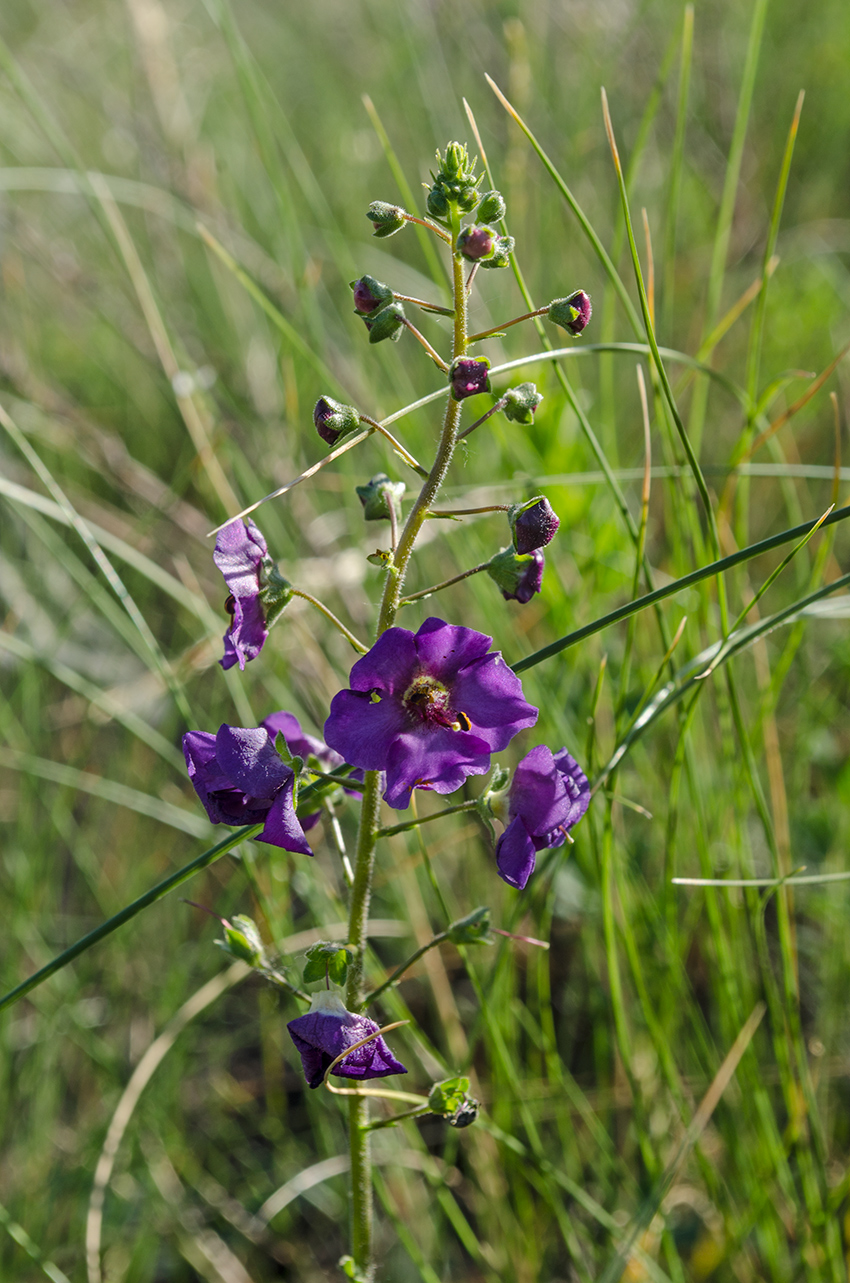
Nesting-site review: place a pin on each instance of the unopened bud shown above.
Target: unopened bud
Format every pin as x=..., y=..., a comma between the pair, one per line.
x=381, y=497
x=333, y=419
x=502, y=250
x=468, y=377
x=476, y=243
x=370, y=294
x=452, y=1101
x=386, y=324
x=436, y=203
x=492, y=207
x=534, y=524
x=388, y=219
x=572, y=313
x=518, y=577
x=521, y=402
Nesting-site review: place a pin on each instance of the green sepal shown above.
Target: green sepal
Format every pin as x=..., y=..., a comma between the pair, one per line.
x=350, y=1270
x=283, y=752
x=388, y=219
x=275, y=592
x=242, y=940
x=452, y=1101
x=473, y=929
x=380, y=497
x=327, y=959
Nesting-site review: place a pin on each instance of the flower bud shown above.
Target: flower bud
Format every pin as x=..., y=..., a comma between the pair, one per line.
x=476, y=243
x=388, y=219
x=473, y=929
x=451, y=1099
x=381, y=497
x=468, y=376
x=333, y=419
x=436, y=203
x=572, y=313
x=518, y=577
x=369, y=294
x=242, y=940
x=492, y=207
x=502, y=250
x=467, y=199
x=522, y=401
x=534, y=524
x=386, y=324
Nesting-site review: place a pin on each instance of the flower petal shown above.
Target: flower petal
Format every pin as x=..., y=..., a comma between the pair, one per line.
x=247, y=756
x=389, y=666
x=247, y=633
x=576, y=784
x=490, y=694
x=443, y=649
x=540, y=796
x=239, y=551
x=515, y=854
x=436, y=758
x=282, y=827
x=363, y=731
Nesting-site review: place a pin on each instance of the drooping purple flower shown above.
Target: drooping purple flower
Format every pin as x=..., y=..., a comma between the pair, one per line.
x=325, y=1031
x=241, y=779
x=468, y=376
x=518, y=577
x=240, y=551
x=308, y=747
x=428, y=708
x=548, y=795
x=534, y=524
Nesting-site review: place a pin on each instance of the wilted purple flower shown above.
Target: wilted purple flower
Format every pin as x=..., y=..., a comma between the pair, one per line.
x=324, y=1033
x=476, y=243
x=241, y=779
x=572, y=313
x=547, y=796
x=534, y=524
x=240, y=551
x=428, y=708
x=518, y=577
x=467, y=377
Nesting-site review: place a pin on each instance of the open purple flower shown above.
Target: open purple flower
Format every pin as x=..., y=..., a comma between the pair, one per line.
x=428, y=708
x=240, y=551
x=324, y=1033
x=241, y=779
x=547, y=796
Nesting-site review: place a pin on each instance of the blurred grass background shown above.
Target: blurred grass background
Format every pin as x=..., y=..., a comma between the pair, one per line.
x=146, y=390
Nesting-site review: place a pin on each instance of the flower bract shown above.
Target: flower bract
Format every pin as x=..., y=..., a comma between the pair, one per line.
x=428, y=708
x=325, y=1031
x=548, y=795
x=241, y=779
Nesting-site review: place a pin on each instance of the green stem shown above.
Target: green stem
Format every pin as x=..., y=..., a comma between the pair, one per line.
x=425, y=819
x=358, y=1118
x=500, y=405
x=424, y=304
x=495, y=329
x=432, y=352
x=446, y=583
x=396, y=445
x=400, y=970
x=329, y=615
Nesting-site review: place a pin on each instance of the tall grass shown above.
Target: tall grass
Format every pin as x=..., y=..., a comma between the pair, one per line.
x=151, y=386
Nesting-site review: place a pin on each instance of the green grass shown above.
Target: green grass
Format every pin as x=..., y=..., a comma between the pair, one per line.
x=123, y=129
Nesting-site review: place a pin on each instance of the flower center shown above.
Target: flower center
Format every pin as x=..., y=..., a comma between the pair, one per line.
x=428, y=700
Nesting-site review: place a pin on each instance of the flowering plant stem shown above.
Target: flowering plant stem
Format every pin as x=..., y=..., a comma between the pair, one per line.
x=329, y=615
x=361, y=890
x=446, y=583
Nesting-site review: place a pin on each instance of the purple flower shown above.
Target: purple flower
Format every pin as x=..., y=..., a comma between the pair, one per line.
x=518, y=577
x=467, y=377
x=533, y=524
x=428, y=708
x=547, y=796
x=240, y=551
x=324, y=1033
x=241, y=779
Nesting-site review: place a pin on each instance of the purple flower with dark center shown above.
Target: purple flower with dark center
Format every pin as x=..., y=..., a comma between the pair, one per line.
x=240, y=551
x=533, y=524
x=547, y=796
x=468, y=377
x=241, y=779
x=428, y=708
x=324, y=1033
x=518, y=577
x=310, y=749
